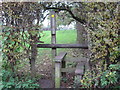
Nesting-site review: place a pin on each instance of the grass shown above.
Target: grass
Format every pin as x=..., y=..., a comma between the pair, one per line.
x=62, y=37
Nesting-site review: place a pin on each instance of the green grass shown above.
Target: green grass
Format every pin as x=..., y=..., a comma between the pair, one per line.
x=62, y=37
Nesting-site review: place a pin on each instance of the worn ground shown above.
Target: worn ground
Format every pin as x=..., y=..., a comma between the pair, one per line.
x=44, y=68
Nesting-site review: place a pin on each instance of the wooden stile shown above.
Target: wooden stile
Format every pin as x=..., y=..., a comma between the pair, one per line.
x=58, y=61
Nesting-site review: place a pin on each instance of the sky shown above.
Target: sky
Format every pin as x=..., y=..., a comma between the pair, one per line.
x=46, y=22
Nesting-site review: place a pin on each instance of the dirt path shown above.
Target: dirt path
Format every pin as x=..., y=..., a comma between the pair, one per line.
x=46, y=83
x=66, y=82
x=44, y=68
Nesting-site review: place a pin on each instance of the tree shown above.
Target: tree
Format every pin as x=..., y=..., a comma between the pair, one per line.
x=18, y=17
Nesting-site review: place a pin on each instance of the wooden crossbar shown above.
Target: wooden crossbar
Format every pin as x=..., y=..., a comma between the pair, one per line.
x=69, y=69
x=76, y=59
x=62, y=46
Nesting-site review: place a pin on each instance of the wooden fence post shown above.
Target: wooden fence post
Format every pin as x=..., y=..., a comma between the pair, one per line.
x=53, y=40
x=79, y=72
x=63, y=66
x=57, y=74
x=58, y=61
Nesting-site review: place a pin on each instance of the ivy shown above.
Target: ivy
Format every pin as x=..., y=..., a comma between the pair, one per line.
x=104, y=47
x=17, y=18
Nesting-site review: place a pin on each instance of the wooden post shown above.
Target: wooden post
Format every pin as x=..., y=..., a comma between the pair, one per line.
x=58, y=60
x=79, y=72
x=57, y=74
x=53, y=39
x=33, y=55
x=63, y=66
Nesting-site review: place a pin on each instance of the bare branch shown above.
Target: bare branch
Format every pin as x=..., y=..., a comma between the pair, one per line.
x=83, y=21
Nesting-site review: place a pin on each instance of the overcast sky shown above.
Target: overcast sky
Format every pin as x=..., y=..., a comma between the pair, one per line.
x=46, y=22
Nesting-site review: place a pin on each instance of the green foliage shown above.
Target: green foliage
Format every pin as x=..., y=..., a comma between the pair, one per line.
x=18, y=30
x=16, y=47
x=64, y=79
x=10, y=80
x=103, y=35
x=107, y=78
x=104, y=46
x=63, y=18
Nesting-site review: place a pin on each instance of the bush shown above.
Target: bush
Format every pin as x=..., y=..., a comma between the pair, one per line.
x=108, y=78
x=10, y=80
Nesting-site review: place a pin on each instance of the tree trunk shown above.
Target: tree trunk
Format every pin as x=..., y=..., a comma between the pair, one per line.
x=81, y=34
x=33, y=55
x=81, y=37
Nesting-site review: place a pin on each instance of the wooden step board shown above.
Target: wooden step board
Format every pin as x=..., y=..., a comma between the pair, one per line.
x=83, y=46
x=60, y=67
x=76, y=59
x=79, y=72
x=80, y=68
x=69, y=70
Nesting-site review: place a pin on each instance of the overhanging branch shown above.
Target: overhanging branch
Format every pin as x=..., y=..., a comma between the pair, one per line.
x=83, y=21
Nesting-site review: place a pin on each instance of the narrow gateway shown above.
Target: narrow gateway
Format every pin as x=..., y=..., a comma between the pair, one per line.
x=59, y=61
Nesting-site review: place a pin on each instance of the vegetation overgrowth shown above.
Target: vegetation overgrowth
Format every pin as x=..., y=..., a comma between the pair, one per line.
x=21, y=34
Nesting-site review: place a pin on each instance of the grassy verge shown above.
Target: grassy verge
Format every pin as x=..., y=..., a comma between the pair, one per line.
x=62, y=37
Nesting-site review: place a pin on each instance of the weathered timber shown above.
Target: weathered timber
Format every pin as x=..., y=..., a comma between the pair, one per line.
x=63, y=66
x=58, y=60
x=80, y=68
x=60, y=57
x=53, y=39
x=77, y=59
x=87, y=65
x=69, y=70
x=62, y=46
x=57, y=74
x=79, y=72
